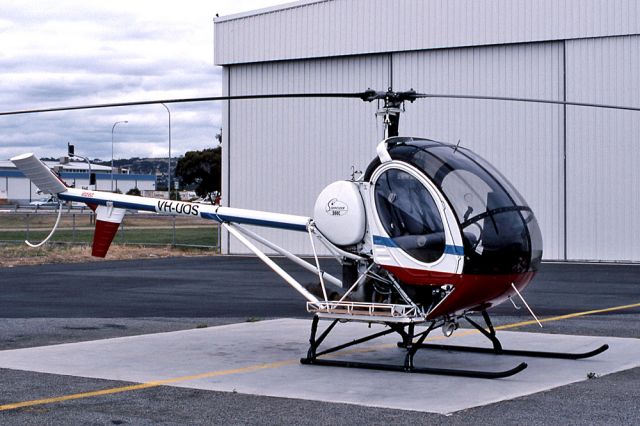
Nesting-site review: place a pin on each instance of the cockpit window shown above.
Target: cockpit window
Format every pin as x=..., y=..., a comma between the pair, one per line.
x=466, y=184
x=409, y=215
x=499, y=230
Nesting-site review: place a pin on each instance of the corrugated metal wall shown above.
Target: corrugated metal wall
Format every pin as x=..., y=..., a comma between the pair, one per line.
x=282, y=153
x=524, y=141
x=279, y=154
x=292, y=149
x=345, y=27
x=603, y=150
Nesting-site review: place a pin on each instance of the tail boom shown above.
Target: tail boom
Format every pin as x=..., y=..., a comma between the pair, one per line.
x=110, y=208
x=182, y=208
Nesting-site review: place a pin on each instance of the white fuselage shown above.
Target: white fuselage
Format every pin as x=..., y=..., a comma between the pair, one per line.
x=182, y=208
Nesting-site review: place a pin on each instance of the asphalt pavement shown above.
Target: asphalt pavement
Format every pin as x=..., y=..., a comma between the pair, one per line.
x=49, y=304
x=243, y=287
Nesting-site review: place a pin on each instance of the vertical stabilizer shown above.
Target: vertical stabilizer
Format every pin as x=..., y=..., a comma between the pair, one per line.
x=108, y=220
x=39, y=174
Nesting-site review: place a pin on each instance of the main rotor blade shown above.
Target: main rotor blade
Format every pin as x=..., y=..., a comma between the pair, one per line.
x=360, y=95
x=367, y=96
x=541, y=101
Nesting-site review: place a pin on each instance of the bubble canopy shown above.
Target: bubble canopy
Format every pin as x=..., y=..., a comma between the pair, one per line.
x=499, y=230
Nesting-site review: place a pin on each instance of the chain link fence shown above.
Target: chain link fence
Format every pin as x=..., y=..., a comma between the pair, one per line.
x=77, y=225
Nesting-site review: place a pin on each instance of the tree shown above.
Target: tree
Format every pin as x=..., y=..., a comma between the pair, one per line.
x=203, y=168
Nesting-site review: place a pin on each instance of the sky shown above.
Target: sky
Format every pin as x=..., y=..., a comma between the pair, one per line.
x=79, y=52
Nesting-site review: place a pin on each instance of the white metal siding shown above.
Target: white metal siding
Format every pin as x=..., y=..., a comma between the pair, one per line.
x=603, y=150
x=21, y=188
x=281, y=153
x=345, y=27
x=286, y=172
x=523, y=141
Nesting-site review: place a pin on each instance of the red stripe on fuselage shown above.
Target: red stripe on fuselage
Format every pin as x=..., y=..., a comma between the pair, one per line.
x=470, y=291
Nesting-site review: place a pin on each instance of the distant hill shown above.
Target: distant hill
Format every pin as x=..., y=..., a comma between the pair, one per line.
x=141, y=166
x=146, y=166
x=136, y=165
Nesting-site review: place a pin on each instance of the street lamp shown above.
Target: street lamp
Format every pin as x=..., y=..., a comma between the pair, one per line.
x=71, y=152
x=112, y=129
x=168, y=175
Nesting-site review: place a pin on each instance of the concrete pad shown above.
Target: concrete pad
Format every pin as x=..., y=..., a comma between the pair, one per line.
x=262, y=359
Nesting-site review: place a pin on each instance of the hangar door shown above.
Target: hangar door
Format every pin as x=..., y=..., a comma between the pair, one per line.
x=524, y=141
x=603, y=150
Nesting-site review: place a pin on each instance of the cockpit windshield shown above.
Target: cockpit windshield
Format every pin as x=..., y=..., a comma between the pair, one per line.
x=499, y=230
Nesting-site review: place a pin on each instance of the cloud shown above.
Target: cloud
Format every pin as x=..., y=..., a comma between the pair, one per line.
x=74, y=52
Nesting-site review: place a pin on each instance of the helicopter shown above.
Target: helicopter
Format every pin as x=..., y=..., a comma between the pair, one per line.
x=428, y=235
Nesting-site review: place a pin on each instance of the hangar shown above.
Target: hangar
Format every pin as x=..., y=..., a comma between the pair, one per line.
x=576, y=166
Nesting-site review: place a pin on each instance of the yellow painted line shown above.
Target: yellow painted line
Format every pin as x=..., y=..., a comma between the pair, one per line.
x=569, y=316
x=147, y=385
x=258, y=367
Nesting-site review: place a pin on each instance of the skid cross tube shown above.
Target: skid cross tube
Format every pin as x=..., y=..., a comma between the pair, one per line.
x=499, y=350
x=407, y=333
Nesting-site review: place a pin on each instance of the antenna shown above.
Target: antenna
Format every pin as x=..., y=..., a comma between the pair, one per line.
x=457, y=146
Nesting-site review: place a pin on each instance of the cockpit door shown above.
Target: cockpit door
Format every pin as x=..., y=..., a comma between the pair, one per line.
x=414, y=232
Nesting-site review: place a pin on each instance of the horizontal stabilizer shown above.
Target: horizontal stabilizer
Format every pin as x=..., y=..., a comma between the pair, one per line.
x=108, y=220
x=39, y=173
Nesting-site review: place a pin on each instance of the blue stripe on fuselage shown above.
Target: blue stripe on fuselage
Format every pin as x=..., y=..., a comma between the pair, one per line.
x=258, y=222
x=388, y=242
x=98, y=201
x=384, y=241
x=457, y=250
x=211, y=216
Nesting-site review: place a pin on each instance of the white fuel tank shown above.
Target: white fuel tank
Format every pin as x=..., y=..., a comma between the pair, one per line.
x=339, y=213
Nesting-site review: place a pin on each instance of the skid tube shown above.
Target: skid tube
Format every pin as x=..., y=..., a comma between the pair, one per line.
x=497, y=348
x=407, y=336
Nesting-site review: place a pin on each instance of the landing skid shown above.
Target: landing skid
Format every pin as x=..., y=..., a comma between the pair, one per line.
x=407, y=332
x=538, y=354
x=497, y=346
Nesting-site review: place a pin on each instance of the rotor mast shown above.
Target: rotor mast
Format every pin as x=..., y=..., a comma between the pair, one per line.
x=393, y=105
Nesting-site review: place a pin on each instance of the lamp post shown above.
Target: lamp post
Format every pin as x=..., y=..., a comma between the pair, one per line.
x=112, y=129
x=169, y=174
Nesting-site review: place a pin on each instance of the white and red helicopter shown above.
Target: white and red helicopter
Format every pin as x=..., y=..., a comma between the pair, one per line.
x=428, y=235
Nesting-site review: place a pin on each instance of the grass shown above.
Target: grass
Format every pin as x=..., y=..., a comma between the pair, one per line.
x=158, y=236
x=42, y=219
x=85, y=218
x=205, y=236
x=135, y=229
x=14, y=255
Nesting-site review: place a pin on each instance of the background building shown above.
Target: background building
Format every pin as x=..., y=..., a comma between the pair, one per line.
x=577, y=167
x=15, y=188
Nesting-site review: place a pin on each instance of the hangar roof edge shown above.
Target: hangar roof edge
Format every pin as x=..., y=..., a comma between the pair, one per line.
x=310, y=29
